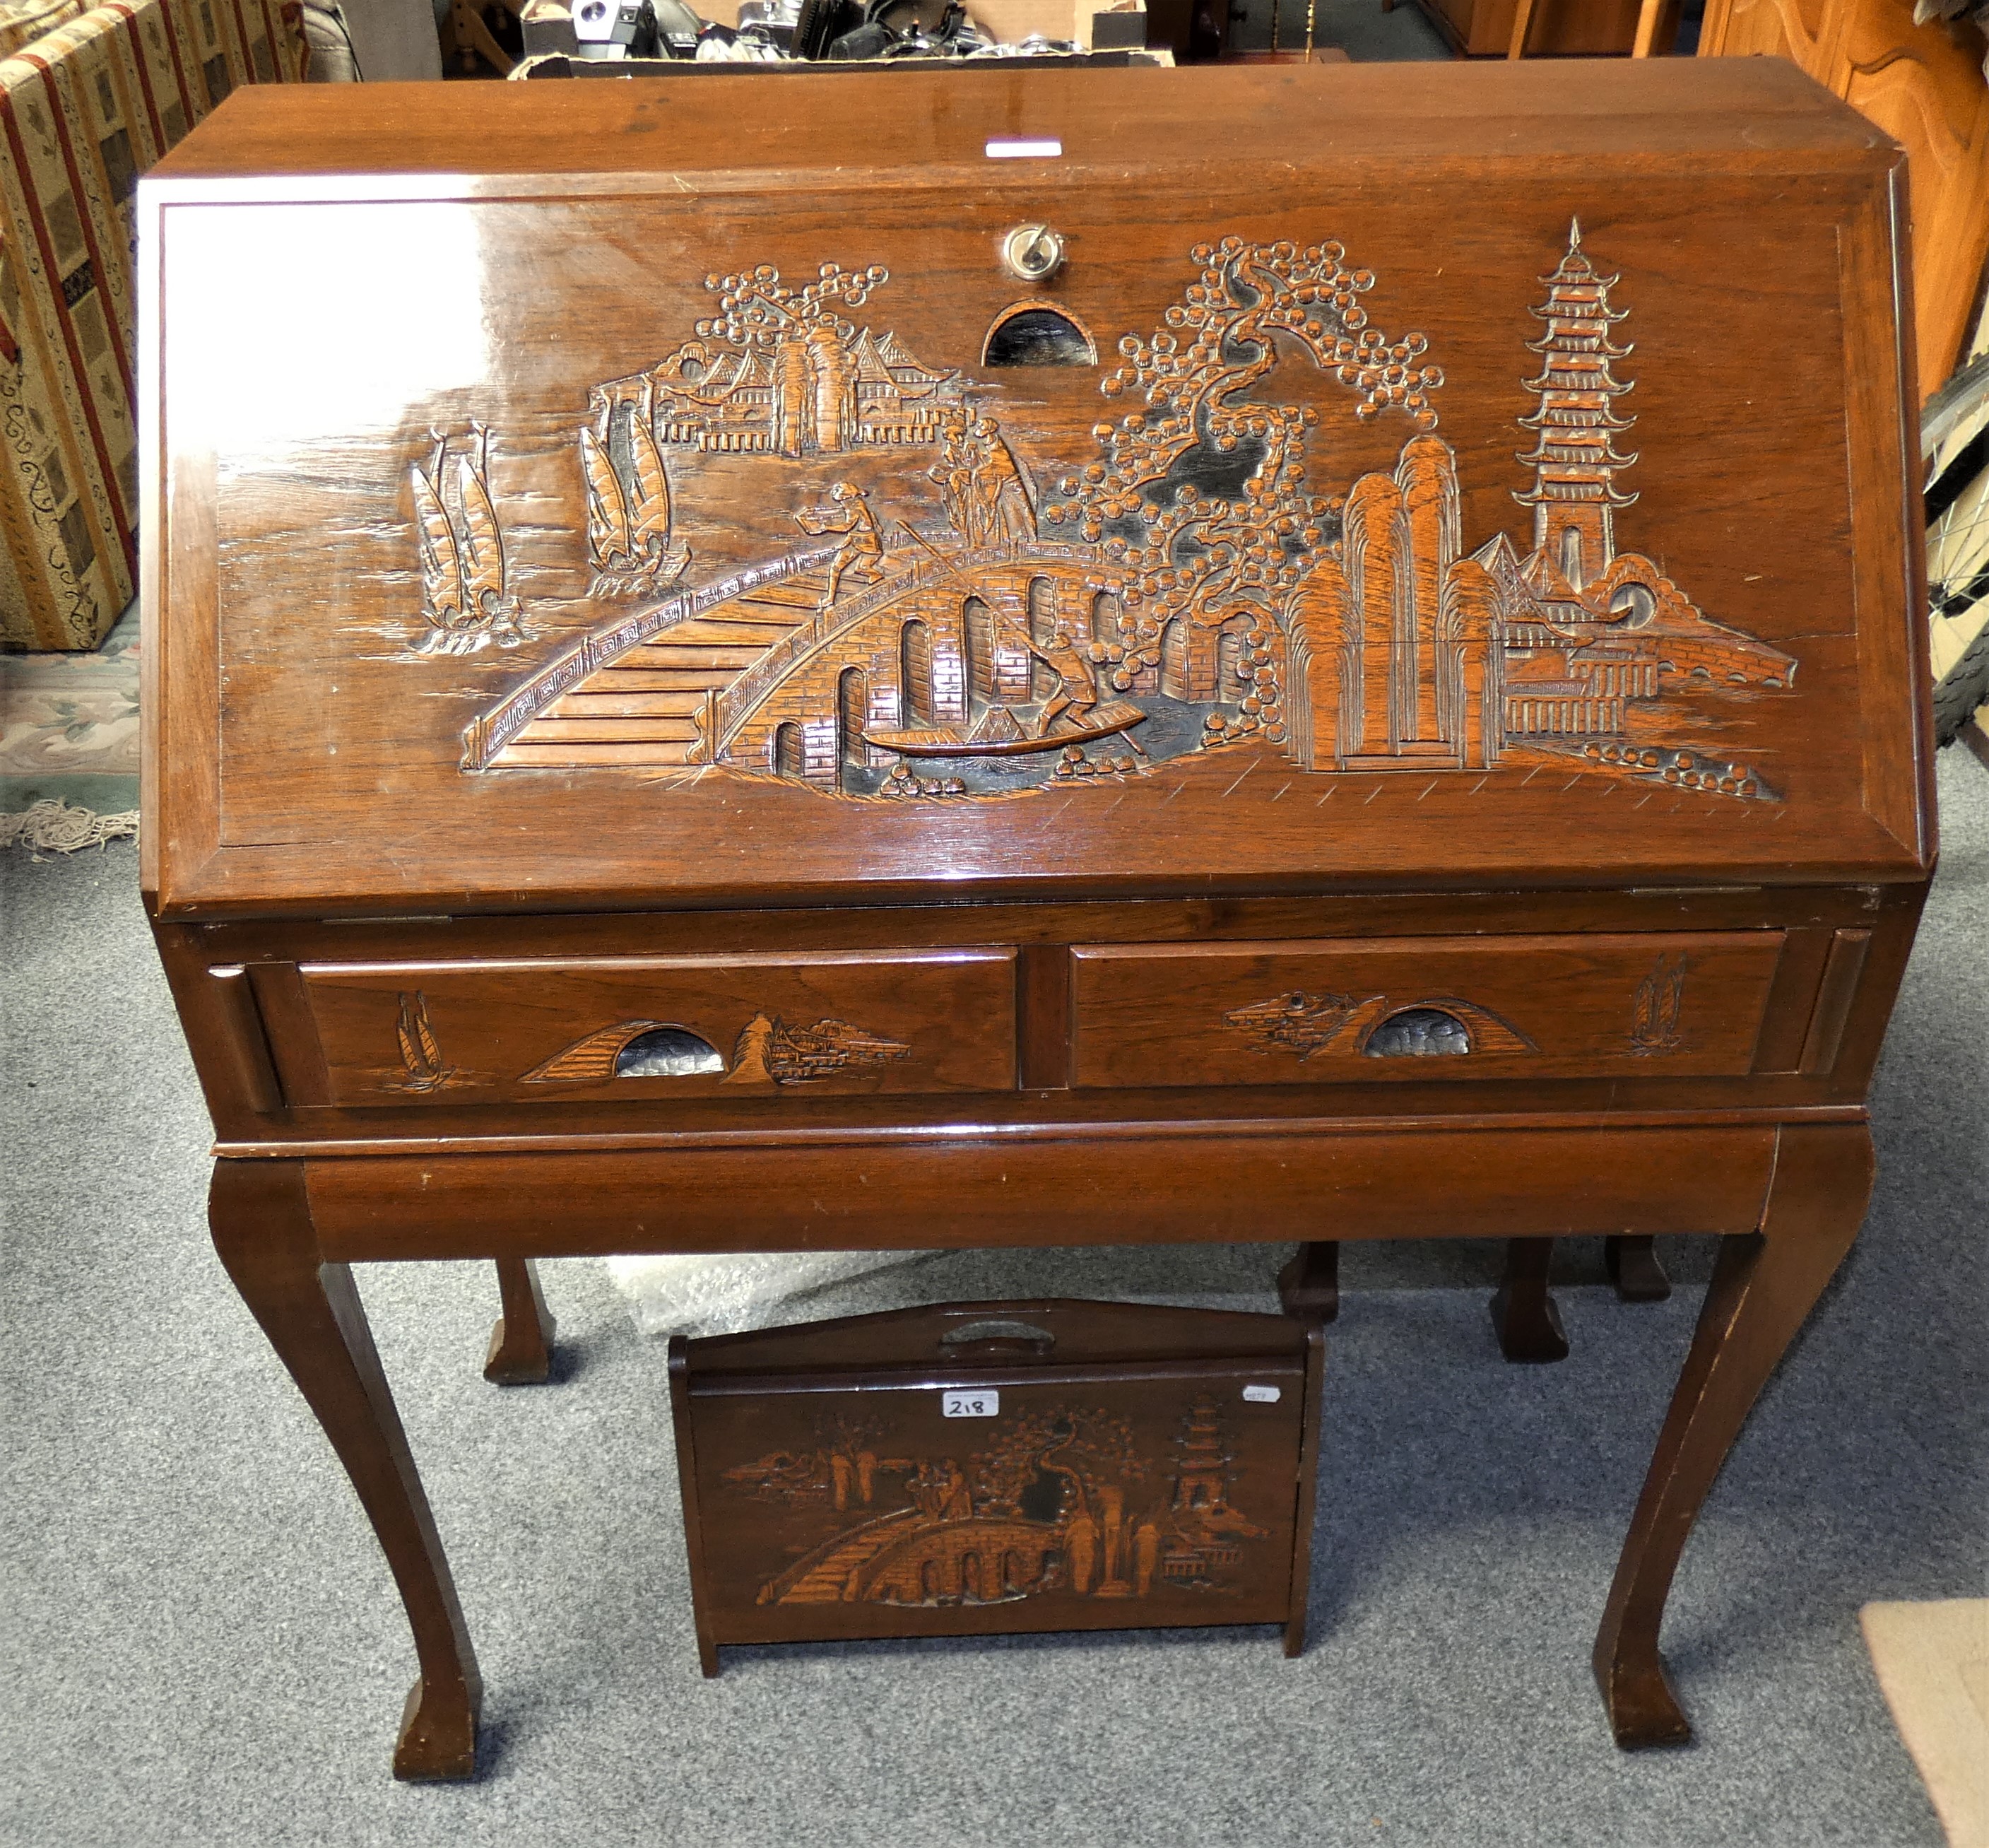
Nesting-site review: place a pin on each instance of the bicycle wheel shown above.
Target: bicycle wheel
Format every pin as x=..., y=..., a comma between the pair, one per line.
x=1954, y=443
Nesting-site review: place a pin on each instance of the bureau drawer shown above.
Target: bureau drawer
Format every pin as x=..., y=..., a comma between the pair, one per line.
x=635, y=1027
x=1682, y=1004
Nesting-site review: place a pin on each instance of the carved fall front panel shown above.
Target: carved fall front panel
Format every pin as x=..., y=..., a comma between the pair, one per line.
x=1008, y=619
x=843, y=561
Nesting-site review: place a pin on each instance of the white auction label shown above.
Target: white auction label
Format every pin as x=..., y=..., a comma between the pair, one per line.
x=1006, y=149
x=1262, y=1395
x=970, y=1404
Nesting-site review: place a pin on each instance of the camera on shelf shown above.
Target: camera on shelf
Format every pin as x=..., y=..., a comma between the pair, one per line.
x=614, y=28
x=605, y=30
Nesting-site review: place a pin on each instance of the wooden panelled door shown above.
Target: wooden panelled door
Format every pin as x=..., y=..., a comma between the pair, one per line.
x=1924, y=85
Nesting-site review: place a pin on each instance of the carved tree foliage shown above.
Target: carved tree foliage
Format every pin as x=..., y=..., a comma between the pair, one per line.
x=757, y=310
x=1097, y=1447
x=1211, y=555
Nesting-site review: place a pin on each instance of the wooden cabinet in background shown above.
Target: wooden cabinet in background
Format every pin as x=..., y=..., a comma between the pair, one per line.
x=1483, y=28
x=1924, y=86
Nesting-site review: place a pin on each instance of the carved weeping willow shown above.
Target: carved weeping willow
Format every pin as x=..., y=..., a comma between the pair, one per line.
x=1207, y=559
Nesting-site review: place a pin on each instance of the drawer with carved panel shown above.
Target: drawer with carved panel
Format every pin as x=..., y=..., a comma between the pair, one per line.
x=1593, y=1004
x=628, y=1027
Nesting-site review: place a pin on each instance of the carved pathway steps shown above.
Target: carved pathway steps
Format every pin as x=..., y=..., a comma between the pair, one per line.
x=641, y=707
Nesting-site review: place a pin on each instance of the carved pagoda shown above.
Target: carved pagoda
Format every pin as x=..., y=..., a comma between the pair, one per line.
x=1574, y=495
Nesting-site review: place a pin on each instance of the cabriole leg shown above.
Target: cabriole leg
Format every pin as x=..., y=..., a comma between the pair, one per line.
x=1525, y=1318
x=521, y=1339
x=1633, y=1267
x=1310, y=1284
x=1763, y=1286
x=260, y=1218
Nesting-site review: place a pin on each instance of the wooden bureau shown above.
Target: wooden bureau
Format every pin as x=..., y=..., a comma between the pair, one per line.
x=872, y=660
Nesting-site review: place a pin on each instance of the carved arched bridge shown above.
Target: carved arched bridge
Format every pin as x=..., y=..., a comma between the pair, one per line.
x=908, y=1557
x=693, y=679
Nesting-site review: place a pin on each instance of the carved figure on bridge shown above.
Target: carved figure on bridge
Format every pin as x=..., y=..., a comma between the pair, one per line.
x=861, y=554
x=983, y=489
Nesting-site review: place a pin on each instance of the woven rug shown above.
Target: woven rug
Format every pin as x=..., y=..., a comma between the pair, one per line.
x=69, y=744
x=1933, y=1664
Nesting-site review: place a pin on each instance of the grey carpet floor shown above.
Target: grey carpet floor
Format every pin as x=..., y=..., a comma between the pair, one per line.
x=199, y=1641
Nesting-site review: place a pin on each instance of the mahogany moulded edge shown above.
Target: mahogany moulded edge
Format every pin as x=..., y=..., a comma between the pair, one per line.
x=1081, y=1190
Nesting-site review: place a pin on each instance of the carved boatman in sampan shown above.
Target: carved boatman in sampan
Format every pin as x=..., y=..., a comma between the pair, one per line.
x=1077, y=684
x=862, y=551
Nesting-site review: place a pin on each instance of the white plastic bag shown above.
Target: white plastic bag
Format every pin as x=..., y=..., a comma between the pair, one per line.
x=740, y=1290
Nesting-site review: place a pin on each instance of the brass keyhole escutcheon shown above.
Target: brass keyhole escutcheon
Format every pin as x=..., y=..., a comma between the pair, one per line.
x=1032, y=253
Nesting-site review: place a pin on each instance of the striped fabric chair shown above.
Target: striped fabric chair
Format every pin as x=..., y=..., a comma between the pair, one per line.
x=87, y=104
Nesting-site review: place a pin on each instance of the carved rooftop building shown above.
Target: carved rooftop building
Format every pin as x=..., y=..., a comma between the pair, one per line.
x=817, y=392
x=1201, y=1467
x=815, y=389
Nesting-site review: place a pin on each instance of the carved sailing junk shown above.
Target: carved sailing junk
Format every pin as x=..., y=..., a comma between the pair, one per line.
x=1189, y=588
x=1654, y=1029
x=421, y=1055
x=461, y=550
x=628, y=506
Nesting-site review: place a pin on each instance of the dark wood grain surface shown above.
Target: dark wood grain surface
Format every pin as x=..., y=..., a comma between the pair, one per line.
x=902, y=122
x=532, y=1031
x=1800, y=1062
x=1312, y=1013
x=1130, y=1185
